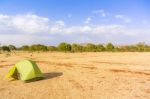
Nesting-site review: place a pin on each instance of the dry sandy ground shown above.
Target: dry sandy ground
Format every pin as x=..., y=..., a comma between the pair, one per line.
x=80, y=76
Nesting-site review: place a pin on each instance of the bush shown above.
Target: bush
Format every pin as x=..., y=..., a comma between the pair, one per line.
x=141, y=47
x=64, y=47
x=100, y=48
x=38, y=47
x=12, y=47
x=24, y=48
x=77, y=48
x=110, y=47
x=5, y=48
x=91, y=47
x=52, y=48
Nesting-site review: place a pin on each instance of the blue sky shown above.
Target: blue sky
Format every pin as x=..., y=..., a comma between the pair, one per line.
x=74, y=21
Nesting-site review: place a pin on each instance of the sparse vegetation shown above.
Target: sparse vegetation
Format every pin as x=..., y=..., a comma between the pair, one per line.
x=38, y=47
x=64, y=47
x=110, y=47
x=5, y=48
x=89, y=47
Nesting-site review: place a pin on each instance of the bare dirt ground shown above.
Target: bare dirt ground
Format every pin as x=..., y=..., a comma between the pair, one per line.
x=80, y=76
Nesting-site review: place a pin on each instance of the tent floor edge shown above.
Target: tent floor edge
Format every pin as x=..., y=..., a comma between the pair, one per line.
x=33, y=80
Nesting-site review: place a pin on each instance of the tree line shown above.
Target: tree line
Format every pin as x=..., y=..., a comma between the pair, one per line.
x=89, y=47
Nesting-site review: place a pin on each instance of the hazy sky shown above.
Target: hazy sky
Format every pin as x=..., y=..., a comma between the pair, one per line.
x=74, y=21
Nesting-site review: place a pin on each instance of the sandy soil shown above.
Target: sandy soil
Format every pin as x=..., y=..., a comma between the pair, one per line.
x=80, y=76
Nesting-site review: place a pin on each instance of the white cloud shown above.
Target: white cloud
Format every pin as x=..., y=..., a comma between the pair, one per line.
x=30, y=23
x=24, y=23
x=124, y=18
x=32, y=28
x=93, y=29
x=88, y=20
x=23, y=39
x=60, y=23
x=56, y=27
x=77, y=29
x=101, y=12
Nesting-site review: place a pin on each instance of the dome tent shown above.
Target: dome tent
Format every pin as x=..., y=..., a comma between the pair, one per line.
x=25, y=70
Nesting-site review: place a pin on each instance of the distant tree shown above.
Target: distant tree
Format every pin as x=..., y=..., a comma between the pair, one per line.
x=0, y=47
x=100, y=48
x=74, y=48
x=133, y=48
x=91, y=47
x=12, y=47
x=77, y=48
x=64, y=47
x=110, y=47
x=52, y=48
x=24, y=48
x=117, y=49
x=147, y=48
x=38, y=47
x=124, y=48
x=141, y=47
x=5, y=48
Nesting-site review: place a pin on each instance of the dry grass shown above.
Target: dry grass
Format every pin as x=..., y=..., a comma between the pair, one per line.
x=80, y=76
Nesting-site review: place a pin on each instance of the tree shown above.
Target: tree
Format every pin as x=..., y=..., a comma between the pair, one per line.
x=141, y=46
x=100, y=48
x=64, y=47
x=24, y=48
x=91, y=47
x=74, y=48
x=38, y=47
x=52, y=48
x=77, y=48
x=0, y=47
x=5, y=48
x=110, y=47
x=12, y=47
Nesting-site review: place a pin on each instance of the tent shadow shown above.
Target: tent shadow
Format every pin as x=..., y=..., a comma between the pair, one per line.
x=52, y=75
x=46, y=76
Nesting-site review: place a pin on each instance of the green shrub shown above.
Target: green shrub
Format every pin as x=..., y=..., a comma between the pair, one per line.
x=110, y=47
x=5, y=48
x=64, y=47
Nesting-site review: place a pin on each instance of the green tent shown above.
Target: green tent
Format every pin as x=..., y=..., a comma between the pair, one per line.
x=25, y=70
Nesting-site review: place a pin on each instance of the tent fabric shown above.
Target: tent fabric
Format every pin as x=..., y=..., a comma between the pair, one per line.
x=25, y=70
x=12, y=73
